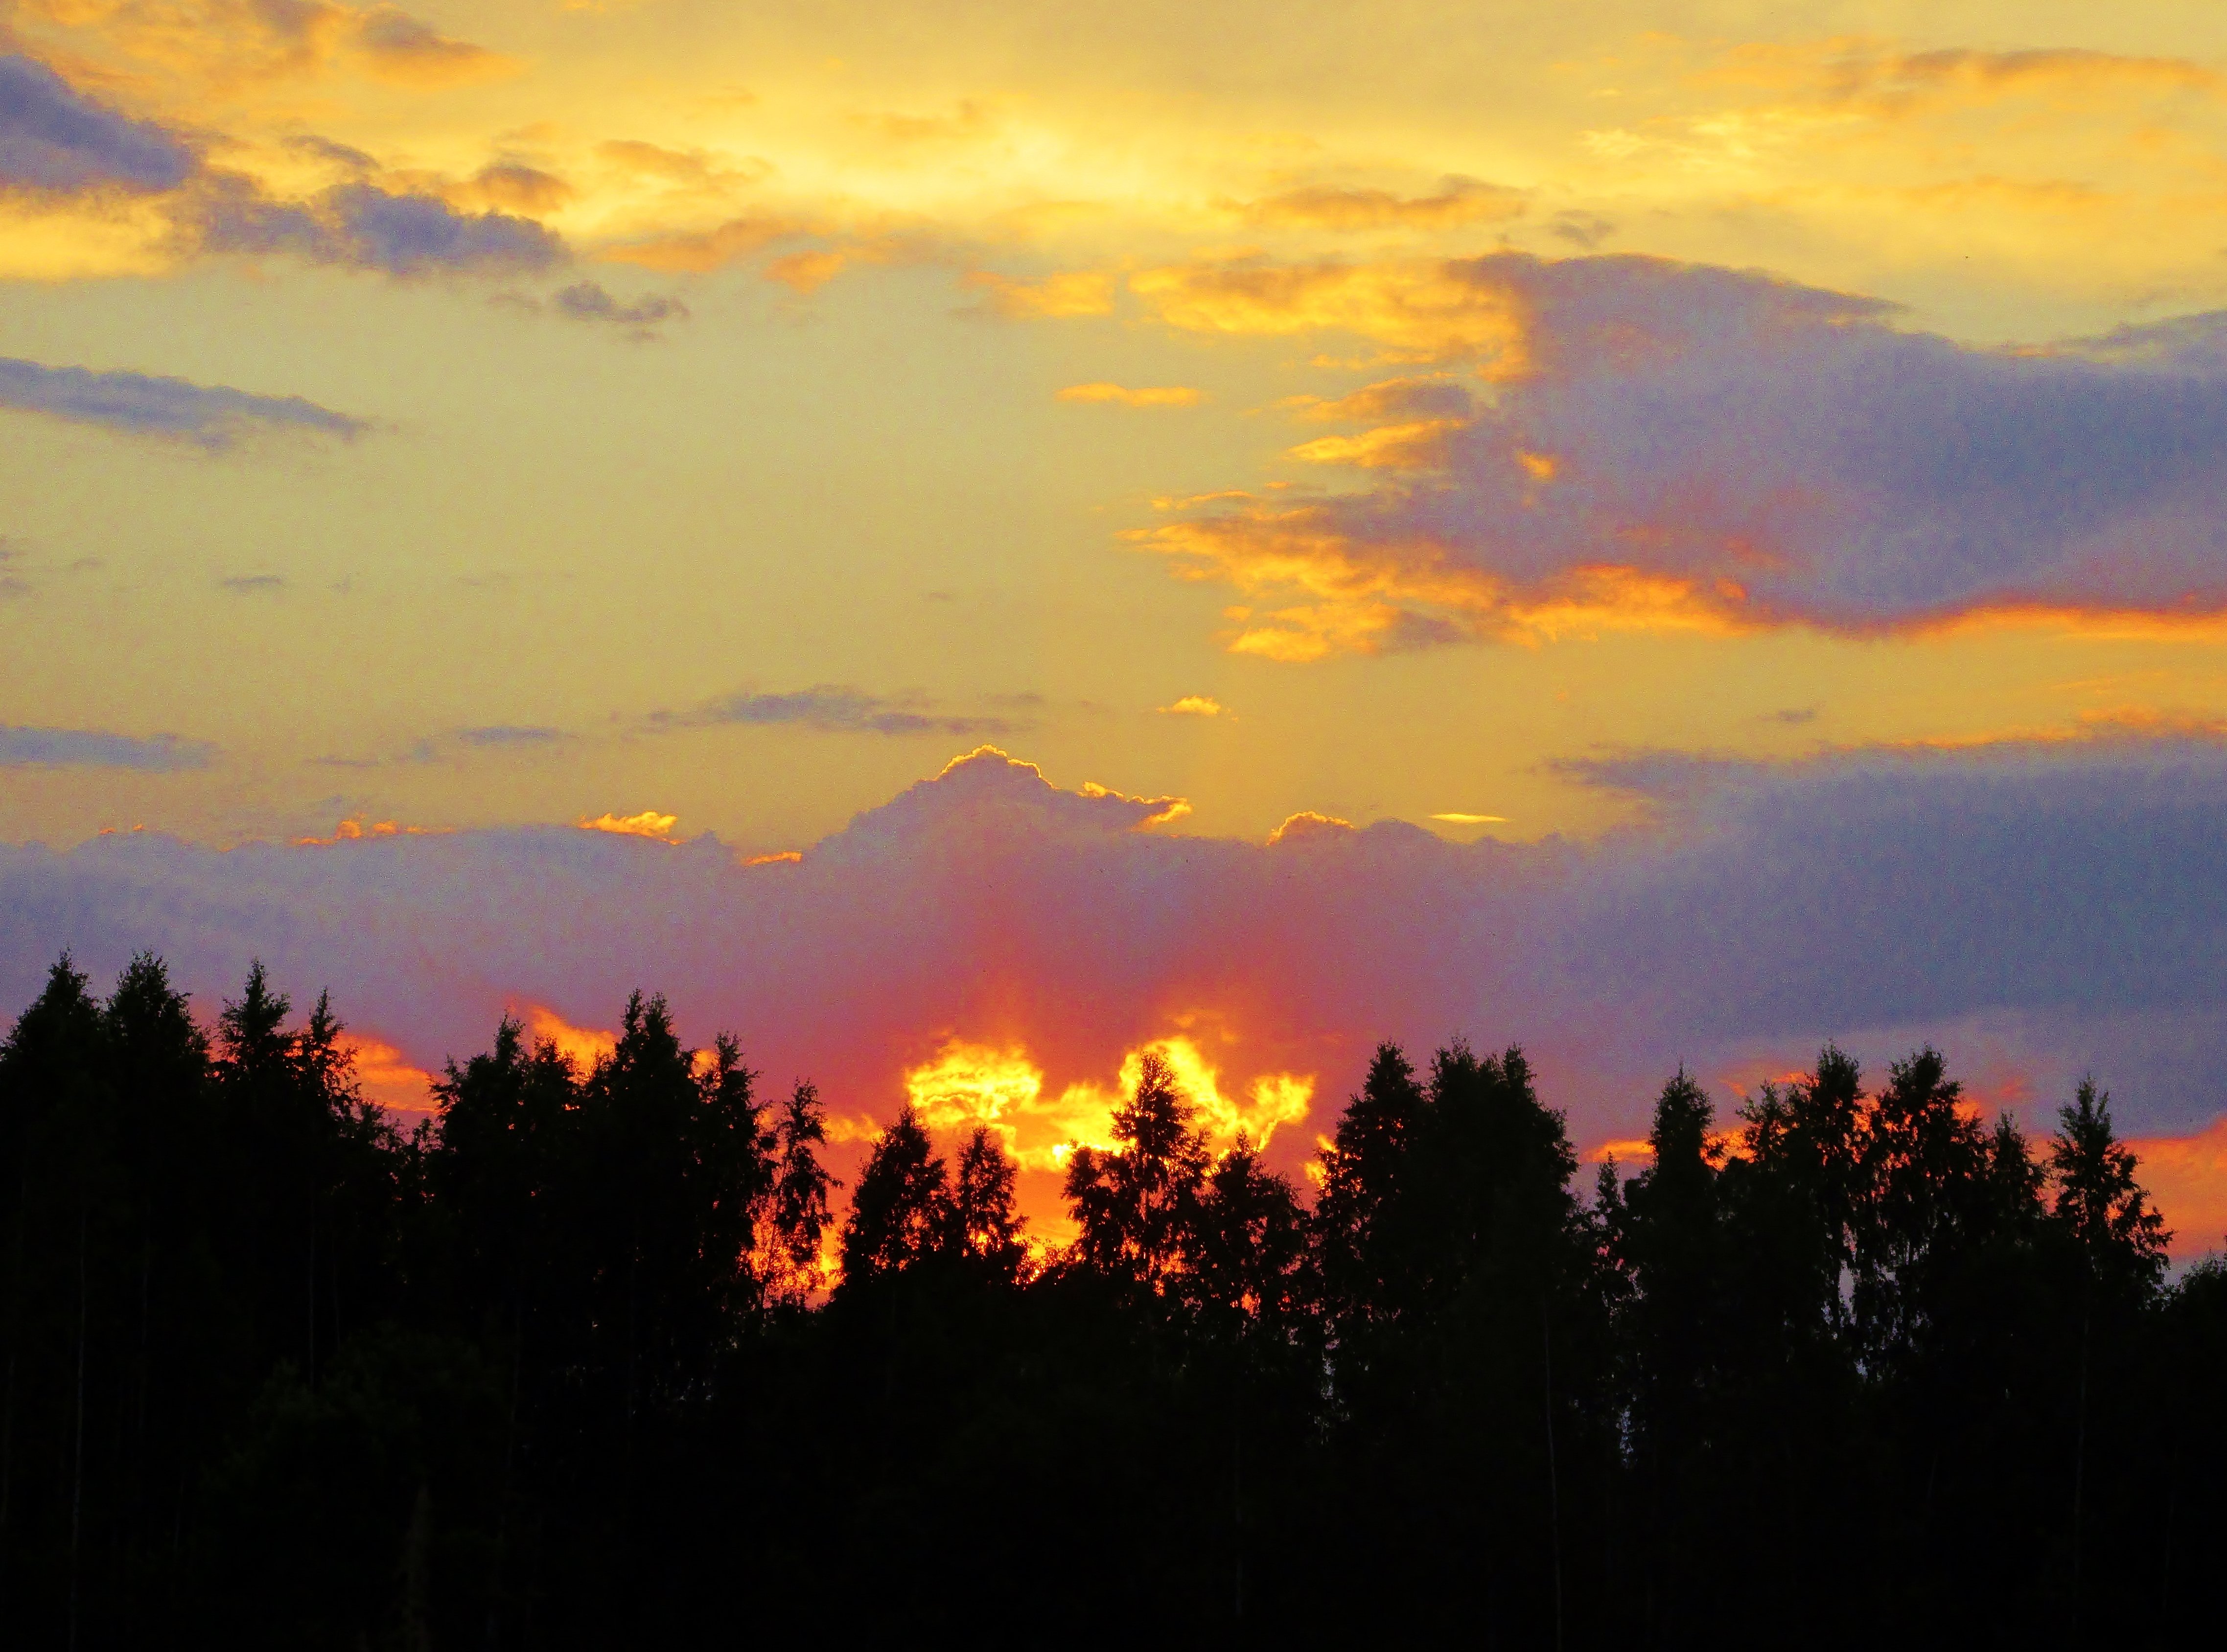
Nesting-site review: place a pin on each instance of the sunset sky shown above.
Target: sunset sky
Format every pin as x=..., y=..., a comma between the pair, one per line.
x=1662, y=533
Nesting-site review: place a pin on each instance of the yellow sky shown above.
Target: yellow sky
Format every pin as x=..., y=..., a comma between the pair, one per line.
x=970, y=292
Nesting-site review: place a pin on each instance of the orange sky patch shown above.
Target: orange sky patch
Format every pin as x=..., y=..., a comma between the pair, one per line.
x=387, y=1076
x=2187, y=1179
x=583, y=1046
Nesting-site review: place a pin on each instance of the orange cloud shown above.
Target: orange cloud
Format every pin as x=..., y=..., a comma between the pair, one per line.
x=1388, y=398
x=1381, y=596
x=1418, y=310
x=1421, y=445
x=510, y=186
x=355, y=828
x=1071, y=292
x=1158, y=396
x=806, y=272
x=649, y=824
x=408, y=51
x=1195, y=705
x=1624, y=1153
x=692, y=169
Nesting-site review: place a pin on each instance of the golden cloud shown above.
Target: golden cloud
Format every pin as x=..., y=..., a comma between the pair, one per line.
x=1306, y=824
x=510, y=186
x=1419, y=310
x=1421, y=445
x=649, y=824
x=1378, y=597
x=1071, y=292
x=1151, y=396
x=355, y=828
x=693, y=170
x=1195, y=705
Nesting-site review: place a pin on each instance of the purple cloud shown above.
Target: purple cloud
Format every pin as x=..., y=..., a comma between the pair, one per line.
x=1725, y=445
x=32, y=747
x=211, y=417
x=54, y=140
x=363, y=226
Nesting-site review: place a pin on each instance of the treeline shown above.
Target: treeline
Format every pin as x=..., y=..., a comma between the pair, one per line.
x=566, y=1367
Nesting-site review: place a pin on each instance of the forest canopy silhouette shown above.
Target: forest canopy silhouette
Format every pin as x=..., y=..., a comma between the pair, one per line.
x=590, y=1358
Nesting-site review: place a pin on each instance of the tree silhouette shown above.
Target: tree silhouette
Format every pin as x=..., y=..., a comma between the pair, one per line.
x=797, y=1217
x=898, y=1215
x=560, y=1368
x=1136, y=1204
x=982, y=1223
x=2098, y=1198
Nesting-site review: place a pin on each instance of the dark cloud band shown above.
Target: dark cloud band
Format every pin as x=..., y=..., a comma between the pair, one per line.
x=30, y=748
x=137, y=404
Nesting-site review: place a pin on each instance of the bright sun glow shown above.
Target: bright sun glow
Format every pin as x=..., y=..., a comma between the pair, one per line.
x=1000, y=1087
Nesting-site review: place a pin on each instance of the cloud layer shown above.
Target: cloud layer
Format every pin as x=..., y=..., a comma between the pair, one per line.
x=834, y=709
x=59, y=143
x=31, y=748
x=2039, y=915
x=1640, y=442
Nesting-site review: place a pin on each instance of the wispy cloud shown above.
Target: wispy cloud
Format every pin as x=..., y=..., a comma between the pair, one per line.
x=510, y=734
x=1457, y=201
x=57, y=141
x=1147, y=396
x=208, y=415
x=54, y=140
x=588, y=301
x=362, y=226
x=396, y=47
x=34, y=748
x=834, y=709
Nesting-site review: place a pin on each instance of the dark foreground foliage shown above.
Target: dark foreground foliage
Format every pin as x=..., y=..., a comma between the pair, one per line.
x=1848, y=1369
